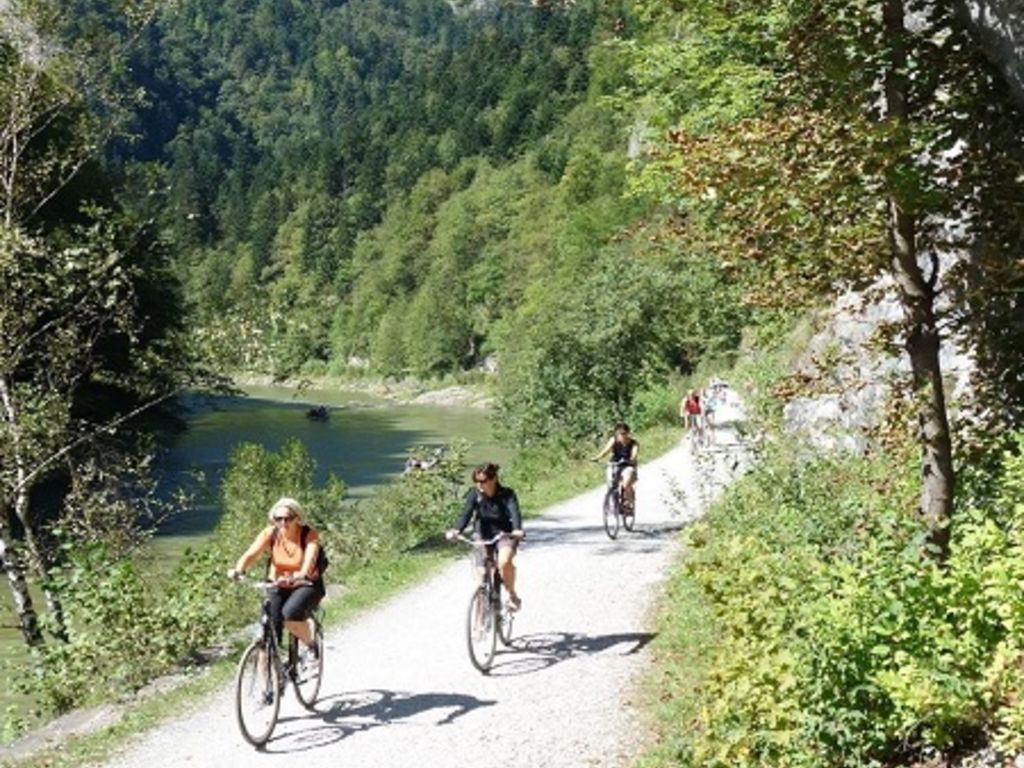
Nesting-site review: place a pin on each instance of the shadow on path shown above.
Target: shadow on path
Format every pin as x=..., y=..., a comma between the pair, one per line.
x=347, y=714
x=645, y=537
x=537, y=652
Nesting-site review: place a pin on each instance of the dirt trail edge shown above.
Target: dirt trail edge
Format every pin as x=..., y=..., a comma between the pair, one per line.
x=398, y=683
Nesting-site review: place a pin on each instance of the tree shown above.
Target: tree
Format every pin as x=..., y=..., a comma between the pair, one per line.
x=54, y=309
x=71, y=270
x=588, y=344
x=917, y=290
x=847, y=109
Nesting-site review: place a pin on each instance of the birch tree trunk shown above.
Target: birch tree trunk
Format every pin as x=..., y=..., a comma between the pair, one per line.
x=14, y=570
x=15, y=566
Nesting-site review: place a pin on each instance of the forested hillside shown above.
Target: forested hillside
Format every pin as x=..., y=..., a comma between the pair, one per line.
x=412, y=189
x=329, y=161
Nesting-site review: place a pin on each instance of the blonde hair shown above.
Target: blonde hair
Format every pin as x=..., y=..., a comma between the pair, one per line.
x=285, y=503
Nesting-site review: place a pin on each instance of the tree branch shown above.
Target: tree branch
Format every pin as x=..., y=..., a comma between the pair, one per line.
x=109, y=427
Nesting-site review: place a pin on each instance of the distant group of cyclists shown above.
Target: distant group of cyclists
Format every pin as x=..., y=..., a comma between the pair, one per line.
x=697, y=411
x=490, y=507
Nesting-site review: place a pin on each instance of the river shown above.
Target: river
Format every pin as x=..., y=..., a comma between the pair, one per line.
x=365, y=441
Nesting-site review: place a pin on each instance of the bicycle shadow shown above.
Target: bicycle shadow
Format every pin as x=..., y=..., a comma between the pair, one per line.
x=537, y=652
x=347, y=714
x=584, y=535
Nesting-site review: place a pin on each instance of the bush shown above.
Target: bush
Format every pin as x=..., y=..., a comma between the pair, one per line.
x=834, y=641
x=405, y=513
x=658, y=403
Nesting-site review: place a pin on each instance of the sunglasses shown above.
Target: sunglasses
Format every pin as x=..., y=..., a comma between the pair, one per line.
x=283, y=519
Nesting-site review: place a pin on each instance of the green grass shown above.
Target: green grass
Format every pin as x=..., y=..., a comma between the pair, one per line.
x=669, y=689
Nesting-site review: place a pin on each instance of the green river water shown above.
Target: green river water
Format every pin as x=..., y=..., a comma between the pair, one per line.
x=365, y=442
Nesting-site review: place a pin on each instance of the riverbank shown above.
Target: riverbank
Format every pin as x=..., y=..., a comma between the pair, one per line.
x=404, y=392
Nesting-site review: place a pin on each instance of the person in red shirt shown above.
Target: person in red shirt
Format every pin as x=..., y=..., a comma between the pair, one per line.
x=691, y=413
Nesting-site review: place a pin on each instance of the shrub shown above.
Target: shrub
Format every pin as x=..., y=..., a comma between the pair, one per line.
x=657, y=403
x=405, y=513
x=827, y=638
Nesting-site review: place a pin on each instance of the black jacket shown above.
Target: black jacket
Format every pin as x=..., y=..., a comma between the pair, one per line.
x=491, y=515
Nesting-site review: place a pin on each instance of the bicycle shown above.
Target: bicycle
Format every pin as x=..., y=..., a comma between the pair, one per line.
x=696, y=431
x=616, y=506
x=490, y=616
x=262, y=674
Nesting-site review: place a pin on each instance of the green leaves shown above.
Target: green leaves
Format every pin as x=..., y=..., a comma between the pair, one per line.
x=336, y=133
x=826, y=639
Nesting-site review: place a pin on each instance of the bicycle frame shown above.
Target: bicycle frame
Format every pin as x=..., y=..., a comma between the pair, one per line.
x=613, y=507
x=613, y=474
x=489, y=617
x=267, y=636
x=489, y=562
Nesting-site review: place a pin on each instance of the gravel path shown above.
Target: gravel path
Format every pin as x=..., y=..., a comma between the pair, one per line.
x=398, y=684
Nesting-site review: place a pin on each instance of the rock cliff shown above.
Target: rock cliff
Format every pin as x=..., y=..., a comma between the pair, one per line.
x=999, y=25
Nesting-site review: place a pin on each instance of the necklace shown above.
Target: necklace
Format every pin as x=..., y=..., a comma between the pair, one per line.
x=290, y=547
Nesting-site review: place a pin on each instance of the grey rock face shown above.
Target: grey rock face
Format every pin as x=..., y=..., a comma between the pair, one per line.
x=855, y=372
x=999, y=25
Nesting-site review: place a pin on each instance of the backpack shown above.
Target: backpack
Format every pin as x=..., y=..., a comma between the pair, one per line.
x=322, y=561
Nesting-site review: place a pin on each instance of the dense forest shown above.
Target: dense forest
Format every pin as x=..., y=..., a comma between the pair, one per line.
x=578, y=204
x=411, y=189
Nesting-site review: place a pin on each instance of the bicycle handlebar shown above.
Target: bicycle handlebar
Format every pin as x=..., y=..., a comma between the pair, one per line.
x=265, y=584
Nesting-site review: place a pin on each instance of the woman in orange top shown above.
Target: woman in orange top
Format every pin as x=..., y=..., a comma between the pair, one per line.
x=292, y=567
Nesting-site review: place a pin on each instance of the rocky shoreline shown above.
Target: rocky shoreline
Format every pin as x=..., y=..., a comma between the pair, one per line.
x=406, y=392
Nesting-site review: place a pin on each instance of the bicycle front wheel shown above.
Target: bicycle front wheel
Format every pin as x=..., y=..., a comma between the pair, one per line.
x=257, y=694
x=481, y=630
x=611, y=512
x=629, y=515
x=307, y=671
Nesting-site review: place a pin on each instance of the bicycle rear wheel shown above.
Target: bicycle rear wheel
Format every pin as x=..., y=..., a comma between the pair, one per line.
x=481, y=630
x=307, y=673
x=610, y=508
x=257, y=694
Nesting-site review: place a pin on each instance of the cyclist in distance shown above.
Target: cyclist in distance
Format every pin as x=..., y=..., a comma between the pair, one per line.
x=293, y=555
x=709, y=405
x=624, y=450
x=691, y=413
x=493, y=509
